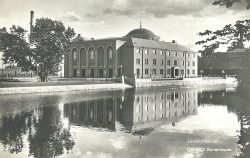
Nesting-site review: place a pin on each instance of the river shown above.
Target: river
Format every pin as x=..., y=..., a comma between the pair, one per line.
x=137, y=123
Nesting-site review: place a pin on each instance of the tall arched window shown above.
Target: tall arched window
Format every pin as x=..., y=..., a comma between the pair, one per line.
x=91, y=54
x=74, y=53
x=110, y=53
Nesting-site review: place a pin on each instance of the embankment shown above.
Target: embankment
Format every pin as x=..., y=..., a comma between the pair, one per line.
x=42, y=89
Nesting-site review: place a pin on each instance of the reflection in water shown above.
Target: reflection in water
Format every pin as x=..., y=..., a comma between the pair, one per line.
x=137, y=113
x=129, y=123
x=41, y=126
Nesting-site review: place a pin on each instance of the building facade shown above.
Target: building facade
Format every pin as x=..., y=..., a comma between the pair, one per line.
x=138, y=53
x=220, y=64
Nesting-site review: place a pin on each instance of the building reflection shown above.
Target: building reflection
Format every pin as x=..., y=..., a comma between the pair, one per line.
x=132, y=110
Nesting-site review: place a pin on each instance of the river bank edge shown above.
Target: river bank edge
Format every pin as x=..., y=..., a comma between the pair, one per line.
x=139, y=84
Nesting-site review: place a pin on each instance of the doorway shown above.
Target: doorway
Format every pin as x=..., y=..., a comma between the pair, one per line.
x=92, y=72
x=83, y=72
x=100, y=72
x=110, y=73
x=74, y=72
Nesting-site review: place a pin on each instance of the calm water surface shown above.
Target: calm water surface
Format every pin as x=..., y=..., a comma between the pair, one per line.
x=119, y=123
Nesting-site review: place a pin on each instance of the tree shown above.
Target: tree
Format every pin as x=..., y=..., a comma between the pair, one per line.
x=16, y=49
x=230, y=3
x=48, y=41
x=233, y=35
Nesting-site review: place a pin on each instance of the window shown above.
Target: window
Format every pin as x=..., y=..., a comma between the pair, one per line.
x=175, y=53
x=137, y=61
x=110, y=53
x=154, y=61
x=194, y=55
x=183, y=54
x=146, y=61
x=193, y=72
x=161, y=71
x=168, y=62
x=92, y=54
x=161, y=53
x=146, y=71
x=168, y=71
x=138, y=51
x=161, y=62
x=154, y=71
x=188, y=71
x=154, y=51
x=175, y=62
x=168, y=53
x=182, y=71
x=193, y=63
x=146, y=51
x=183, y=62
x=188, y=54
x=187, y=63
x=74, y=55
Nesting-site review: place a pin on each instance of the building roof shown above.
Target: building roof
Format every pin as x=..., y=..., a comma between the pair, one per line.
x=137, y=42
x=143, y=33
x=79, y=38
x=140, y=31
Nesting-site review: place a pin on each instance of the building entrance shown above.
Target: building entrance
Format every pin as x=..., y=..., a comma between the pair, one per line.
x=110, y=73
x=74, y=72
x=92, y=72
x=100, y=72
x=83, y=72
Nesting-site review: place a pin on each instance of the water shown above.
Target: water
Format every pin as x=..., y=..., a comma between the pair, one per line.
x=120, y=123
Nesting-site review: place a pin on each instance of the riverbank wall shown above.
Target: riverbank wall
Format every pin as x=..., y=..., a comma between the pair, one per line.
x=125, y=83
x=184, y=82
x=63, y=88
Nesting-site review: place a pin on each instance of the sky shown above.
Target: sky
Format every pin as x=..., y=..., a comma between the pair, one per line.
x=178, y=20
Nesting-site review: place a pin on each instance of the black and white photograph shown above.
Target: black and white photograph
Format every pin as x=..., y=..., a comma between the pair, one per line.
x=125, y=78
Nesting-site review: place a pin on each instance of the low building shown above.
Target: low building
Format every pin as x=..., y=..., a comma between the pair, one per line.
x=222, y=63
x=138, y=53
x=16, y=72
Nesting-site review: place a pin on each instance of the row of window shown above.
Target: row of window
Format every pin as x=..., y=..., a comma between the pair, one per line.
x=154, y=72
x=168, y=62
x=168, y=53
x=110, y=52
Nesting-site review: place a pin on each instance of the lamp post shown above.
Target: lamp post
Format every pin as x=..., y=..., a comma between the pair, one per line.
x=185, y=61
x=121, y=70
x=37, y=72
x=201, y=72
x=211, y=71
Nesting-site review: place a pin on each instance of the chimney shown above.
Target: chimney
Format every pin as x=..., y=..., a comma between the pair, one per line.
x=79, y=35
x=173, y=41
x=31, y=23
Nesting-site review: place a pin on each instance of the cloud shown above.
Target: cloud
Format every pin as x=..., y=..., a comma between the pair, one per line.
x=73, y=16
x=165, y=8
x=126, y=12
x=91, y=15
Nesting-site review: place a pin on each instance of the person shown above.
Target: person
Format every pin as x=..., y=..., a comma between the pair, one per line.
x=31, y=75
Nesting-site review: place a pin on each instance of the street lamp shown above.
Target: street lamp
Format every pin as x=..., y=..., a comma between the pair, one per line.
x=37, y=72
x=121, y=70
x=211, y=71
x=201, y=72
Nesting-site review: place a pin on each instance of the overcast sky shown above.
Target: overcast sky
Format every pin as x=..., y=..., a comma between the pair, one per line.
x=178, y=20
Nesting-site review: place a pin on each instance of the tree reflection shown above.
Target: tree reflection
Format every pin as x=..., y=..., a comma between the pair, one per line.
x=12, y=130
x=239, y=103
x=46, y=135
x=49, y=138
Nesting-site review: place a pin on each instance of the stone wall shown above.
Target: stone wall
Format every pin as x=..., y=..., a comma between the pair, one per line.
x=228, y=81
x=41, y=89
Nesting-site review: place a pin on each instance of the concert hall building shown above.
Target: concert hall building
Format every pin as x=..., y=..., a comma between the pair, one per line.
x=139, y=53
